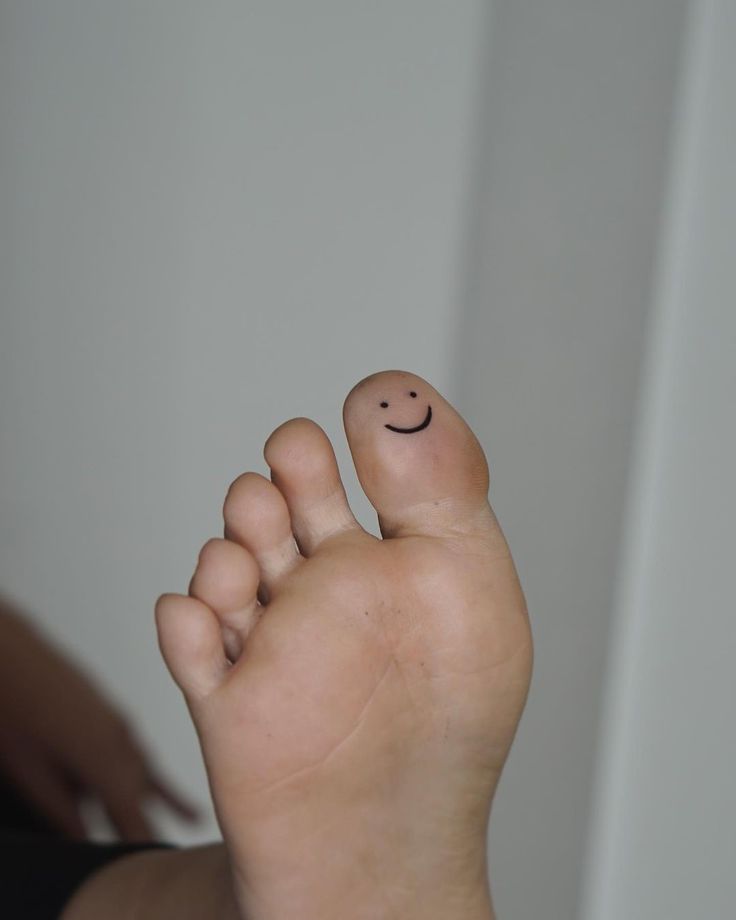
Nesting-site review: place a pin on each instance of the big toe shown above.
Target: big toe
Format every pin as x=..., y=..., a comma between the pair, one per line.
x=418, y=461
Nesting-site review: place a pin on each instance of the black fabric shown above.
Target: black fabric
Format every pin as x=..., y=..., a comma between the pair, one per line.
x=39, y=868
x=38, y=874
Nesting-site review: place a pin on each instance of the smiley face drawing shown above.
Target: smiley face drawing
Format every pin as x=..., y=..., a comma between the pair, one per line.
x=420, y=427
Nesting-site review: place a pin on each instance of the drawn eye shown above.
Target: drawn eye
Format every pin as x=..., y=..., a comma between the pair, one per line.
x=413, y=394
x=384, y=405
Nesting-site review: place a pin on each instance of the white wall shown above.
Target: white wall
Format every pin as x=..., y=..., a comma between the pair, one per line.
x=663, y=844
x=212, y=217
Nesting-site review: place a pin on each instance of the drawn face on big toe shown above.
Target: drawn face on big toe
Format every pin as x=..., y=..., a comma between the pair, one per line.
x=409, y=428
x=410, y=446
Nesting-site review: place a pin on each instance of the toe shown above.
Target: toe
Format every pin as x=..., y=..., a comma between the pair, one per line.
x=419, y=463
x=226, y=579
x=190, y=638
x=304, y=468
x=257, y=517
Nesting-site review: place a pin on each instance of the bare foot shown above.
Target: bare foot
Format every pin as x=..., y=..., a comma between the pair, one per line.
x=356, y=698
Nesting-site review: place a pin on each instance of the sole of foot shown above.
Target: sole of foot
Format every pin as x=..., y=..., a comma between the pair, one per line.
x=356, y=698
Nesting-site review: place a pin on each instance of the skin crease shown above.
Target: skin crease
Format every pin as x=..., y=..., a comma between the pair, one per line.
x=355, y=720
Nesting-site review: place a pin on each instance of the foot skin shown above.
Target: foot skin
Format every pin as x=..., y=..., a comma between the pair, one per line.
x=356, y=698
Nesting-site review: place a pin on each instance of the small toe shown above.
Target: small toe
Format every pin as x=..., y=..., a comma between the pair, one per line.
x=304, y=468
x=226, y=579
x=190, y=639
x=257, y=517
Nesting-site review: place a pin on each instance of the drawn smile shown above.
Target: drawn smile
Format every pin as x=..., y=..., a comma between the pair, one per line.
x=427, y=420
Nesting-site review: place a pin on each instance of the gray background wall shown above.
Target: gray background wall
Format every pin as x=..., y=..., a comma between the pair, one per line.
x=571, y=168
x=663, y=842
x=214, y=217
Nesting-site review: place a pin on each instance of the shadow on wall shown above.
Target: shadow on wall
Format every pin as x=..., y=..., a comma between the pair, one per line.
x=571, y=161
